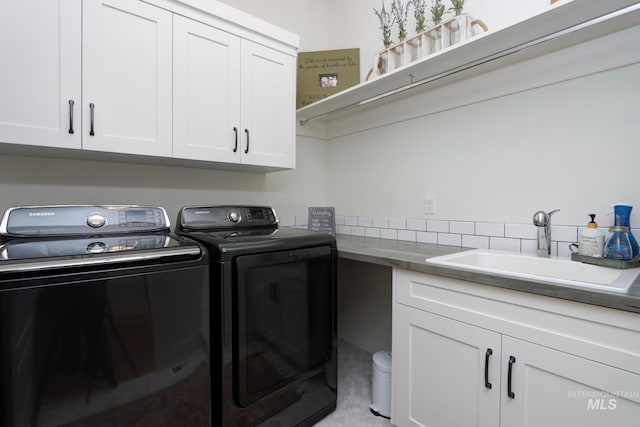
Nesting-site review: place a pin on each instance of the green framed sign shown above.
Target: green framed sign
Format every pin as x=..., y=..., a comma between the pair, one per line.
x=323, y=73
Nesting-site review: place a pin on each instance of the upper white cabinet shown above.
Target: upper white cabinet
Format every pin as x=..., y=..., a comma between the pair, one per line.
x=198, y=82
x=268, y=106
x=206, y=92
x=233, y=98
x=126, y=78
x=40, y=70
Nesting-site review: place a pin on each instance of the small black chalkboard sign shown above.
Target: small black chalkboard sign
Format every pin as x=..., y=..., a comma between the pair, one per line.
x=323, y=219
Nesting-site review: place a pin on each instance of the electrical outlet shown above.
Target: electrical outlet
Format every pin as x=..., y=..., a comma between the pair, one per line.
x=430, y=204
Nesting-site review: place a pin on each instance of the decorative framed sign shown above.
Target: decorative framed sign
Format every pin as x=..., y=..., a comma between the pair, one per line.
x=325, y=72
x=322, y=219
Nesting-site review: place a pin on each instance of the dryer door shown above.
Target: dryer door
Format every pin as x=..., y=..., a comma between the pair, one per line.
x=285, y=318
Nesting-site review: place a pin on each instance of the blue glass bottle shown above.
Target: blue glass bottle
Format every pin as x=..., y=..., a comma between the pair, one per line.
x=622, y=212
x=618, y=246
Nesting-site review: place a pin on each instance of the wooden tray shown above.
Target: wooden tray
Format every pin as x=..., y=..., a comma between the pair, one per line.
x=606, y=262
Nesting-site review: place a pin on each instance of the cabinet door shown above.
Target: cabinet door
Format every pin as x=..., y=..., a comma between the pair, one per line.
x=268, y=106
x=555, y=389
x=206, y=92
x=127, y=77
x=439, y=371
x=40, y=71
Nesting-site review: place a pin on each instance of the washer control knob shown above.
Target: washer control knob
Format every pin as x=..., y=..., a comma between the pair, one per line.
x=96, y=248
x=234, y=216
x=96, y=220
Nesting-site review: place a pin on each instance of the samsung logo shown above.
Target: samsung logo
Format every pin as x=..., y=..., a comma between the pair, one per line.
x=201, y=212
x=42, y=213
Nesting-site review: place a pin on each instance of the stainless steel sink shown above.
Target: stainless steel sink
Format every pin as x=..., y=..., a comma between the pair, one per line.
x=559, y=271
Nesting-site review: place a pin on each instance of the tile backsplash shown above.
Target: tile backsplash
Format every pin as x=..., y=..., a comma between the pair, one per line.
x=470, y=234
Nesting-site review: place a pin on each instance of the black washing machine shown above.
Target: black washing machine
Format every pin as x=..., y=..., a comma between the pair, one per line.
x=273, y=316
x=104, y=319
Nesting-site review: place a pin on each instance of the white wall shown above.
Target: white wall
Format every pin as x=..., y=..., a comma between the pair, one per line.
x=307, y=18
x=35, y=180
x=538, y=135
x=570, y=145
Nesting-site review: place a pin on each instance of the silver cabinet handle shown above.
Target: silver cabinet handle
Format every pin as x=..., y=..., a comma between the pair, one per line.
x=71, y=115
x=91, y=108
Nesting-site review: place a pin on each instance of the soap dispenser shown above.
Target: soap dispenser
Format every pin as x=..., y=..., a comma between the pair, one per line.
x=618, y=246
x=591, y=240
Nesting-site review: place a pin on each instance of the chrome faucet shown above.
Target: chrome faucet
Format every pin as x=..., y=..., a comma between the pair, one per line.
x=542, y=220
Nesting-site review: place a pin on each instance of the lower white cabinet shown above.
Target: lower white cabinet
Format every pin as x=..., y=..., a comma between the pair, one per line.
x=551, y=388
x=440, y=371
x=466, y=354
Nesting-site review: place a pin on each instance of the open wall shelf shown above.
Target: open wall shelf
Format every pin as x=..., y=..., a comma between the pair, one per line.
x=562, y=26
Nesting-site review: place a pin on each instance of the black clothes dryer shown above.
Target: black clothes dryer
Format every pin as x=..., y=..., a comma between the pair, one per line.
x=273, y=316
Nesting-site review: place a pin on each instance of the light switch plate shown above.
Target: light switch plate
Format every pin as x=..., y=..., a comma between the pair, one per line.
x=430, y=205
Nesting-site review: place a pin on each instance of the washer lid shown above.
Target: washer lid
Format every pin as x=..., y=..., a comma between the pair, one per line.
x=33, y=254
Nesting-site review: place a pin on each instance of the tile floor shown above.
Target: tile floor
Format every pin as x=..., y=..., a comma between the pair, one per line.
x=354, y=391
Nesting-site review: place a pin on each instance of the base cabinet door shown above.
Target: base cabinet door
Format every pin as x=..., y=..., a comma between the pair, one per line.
x=440, y=368
x=40, y=70
x=126, y=77
x=554, y=389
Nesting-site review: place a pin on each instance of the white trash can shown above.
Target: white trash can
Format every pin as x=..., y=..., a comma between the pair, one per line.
x=381, y=384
